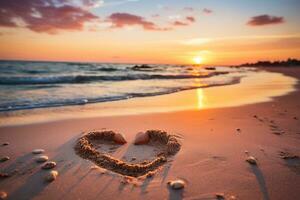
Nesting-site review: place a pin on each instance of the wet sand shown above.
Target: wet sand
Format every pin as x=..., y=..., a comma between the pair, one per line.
x=211, y=160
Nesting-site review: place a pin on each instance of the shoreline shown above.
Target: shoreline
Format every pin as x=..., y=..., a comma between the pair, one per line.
x=213, y=155
x=185, y=100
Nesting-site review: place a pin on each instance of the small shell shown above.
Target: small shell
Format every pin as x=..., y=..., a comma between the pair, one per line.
x=5, y=158
x=49, y=165
x=51, y=176
x=141, y=138
x=119, y=138
x=251, y=160
x=177, y=184
x=38, y=151
x=3, y=195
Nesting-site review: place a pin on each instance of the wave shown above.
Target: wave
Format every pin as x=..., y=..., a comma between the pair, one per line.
x=82, y=101
x=79, y=79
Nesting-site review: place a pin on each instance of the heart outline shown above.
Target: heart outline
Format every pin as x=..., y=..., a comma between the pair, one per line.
x=85, y=149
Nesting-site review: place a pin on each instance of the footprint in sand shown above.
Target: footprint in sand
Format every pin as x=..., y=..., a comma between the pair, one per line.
x=274, y=128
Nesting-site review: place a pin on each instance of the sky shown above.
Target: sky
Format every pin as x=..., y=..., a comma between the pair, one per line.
x=209, y=32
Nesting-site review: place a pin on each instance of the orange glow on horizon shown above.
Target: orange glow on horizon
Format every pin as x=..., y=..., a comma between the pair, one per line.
x=198, y=60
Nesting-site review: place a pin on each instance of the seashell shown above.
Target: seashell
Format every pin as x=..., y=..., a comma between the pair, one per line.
x=51, y=176
x=41, y=159
x=119, y=138
x=3, y=195
x=251, y=160
x=141, y=138
x=5, y=158
x=49, y=165
x=177, y=184
x=38, y=151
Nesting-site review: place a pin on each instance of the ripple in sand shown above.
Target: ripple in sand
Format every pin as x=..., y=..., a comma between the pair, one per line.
x=287, y=155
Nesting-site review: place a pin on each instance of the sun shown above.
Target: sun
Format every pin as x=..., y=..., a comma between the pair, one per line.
x=197, y=60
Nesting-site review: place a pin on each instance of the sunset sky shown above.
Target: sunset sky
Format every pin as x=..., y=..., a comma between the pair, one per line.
x=150, y=31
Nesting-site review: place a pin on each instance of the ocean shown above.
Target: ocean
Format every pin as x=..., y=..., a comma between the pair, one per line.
x=31, y=84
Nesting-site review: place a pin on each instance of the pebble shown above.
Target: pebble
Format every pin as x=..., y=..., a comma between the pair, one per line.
x=41, y=159
x=141, y=138
x=232, y=197
x=51, y=176
x=119, y=138
x=38, y=151
x=5, y=143
x=251, y=160
x=220, y=196
x=5, y=158
x=49, y=165
x=3, y=195
x=177, y=184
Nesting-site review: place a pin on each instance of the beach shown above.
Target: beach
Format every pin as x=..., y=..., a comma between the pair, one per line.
x=216, y=139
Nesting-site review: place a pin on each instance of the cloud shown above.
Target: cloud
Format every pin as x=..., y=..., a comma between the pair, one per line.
x=120, y=20
x=92, y=3
x=189, y=9
x=207, y=11
x=180, y=23
x=48, y=16
x=117, y=3
x=244, y=43
x=188, y=20
x=262, y=20
x=155, y=15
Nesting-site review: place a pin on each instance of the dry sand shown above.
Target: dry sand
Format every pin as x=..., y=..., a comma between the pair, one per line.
x=215, y=145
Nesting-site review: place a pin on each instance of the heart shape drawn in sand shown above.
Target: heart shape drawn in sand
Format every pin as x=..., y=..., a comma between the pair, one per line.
x=86, y=148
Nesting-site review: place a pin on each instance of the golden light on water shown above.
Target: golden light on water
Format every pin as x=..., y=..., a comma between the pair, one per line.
x=200, y=98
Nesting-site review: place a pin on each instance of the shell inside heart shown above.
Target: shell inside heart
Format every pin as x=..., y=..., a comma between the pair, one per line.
x=86, y=149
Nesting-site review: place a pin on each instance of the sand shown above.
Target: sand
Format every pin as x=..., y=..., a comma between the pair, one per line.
x=212, y=160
